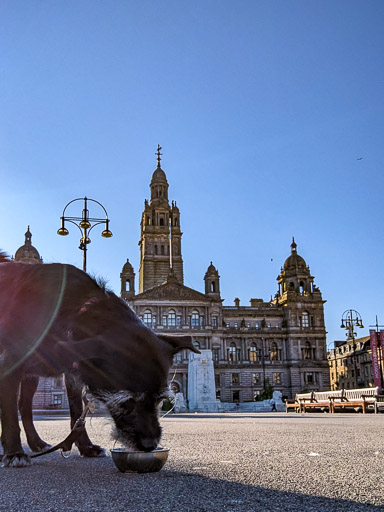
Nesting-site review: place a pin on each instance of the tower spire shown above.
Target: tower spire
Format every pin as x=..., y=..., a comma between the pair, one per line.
x=158, y=155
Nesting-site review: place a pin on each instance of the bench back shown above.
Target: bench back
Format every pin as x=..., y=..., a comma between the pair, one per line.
x=323, y=396
x=303, y=396
x=356, y=394
x=349, y=394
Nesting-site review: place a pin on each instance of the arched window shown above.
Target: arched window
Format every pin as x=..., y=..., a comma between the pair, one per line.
x=156, y=249
x=301, y=287
x=253, y=353
x=307, y=350
x=171, y=318
x=162, y=250
x=233, y=352
x=148, y=317
x=274, y=352
x=213, y=286
x=176, y=222
x=305, y=319
x=161, y=221
x=127, y=285
x=195, y=318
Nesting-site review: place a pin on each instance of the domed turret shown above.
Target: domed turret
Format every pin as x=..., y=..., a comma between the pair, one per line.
x=127, y=277
x=295, y=276
x=27, y=253
x=159, y=183
x=212, y=282
x=294, y=261
x=159, y=176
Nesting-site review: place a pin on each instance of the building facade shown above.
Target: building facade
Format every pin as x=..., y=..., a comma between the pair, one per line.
x=281, y=342
x=350, y=364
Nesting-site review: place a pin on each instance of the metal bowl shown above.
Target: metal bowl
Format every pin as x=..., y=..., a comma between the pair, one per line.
x=139, y=462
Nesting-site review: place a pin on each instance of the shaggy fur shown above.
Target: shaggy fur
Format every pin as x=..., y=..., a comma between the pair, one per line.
x=56, y=319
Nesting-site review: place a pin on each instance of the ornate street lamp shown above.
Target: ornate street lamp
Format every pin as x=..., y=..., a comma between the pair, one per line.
x=351, y=319
x=85, y=223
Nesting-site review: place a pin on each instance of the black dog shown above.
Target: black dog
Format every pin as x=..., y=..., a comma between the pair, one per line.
x=56, y=319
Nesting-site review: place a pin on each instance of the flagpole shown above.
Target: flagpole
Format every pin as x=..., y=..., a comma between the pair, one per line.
x=170, y=242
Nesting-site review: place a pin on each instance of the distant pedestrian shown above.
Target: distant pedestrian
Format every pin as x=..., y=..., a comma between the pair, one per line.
x=273, y=403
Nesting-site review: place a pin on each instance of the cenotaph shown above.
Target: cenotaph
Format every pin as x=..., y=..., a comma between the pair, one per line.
x=201, y=383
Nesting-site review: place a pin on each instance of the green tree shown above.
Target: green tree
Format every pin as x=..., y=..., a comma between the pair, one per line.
x=267, y=391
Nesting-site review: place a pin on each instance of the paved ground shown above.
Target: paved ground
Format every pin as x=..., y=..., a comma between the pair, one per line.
x=217, y=462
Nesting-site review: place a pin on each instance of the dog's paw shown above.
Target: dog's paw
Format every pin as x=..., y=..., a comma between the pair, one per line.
x=15, y=460
x=93, y=451
x=38, y=448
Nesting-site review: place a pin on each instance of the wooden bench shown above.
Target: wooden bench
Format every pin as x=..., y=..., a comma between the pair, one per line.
x=364, y=398
x=352, y=398
x=292, y=404
x=297, y=403
x=379, y=403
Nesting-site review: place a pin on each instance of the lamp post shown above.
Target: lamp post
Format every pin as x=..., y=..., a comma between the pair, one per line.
x=85, y=223
x=349, y=320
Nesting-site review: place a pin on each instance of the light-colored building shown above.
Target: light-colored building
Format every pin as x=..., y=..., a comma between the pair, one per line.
x=350, y=364
x=281, y=342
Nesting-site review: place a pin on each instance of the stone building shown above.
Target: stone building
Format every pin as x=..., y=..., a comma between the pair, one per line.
x=50, y=393
x=281, y=342
x=350, y=364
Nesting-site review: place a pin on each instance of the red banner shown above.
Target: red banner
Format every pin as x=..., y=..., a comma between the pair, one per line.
x=375, y=357
x=381, y=356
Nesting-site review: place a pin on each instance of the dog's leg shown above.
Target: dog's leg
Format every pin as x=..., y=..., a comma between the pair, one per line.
x=28, y=388
x=84, y=444
x=14, y=455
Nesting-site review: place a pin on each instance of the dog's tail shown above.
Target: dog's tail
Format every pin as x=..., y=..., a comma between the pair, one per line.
x=4, y=257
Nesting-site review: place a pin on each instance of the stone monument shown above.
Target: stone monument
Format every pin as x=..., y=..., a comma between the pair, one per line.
x=179, y=403
x=201, y=383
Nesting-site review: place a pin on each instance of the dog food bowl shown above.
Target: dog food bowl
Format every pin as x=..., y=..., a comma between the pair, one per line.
x=139, y=462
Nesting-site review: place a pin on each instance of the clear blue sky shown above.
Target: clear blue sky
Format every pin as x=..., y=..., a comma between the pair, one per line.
x=262, y=108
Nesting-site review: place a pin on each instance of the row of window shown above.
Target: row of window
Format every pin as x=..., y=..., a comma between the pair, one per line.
x=303, y=287
x=273, y=352
x=256, y=379
x=161, y=219
x=162, y=250
x=249, y=325
x=368, y=372
x=255, y=354
x=194, y=320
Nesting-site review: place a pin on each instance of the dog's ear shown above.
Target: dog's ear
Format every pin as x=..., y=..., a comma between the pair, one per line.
x=177, y=343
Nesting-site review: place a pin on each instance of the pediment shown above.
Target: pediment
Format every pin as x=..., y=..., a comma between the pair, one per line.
x=172, y=291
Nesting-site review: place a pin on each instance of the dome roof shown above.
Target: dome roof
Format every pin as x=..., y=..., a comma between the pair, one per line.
x=159, y=176
x=294, y=261
x=27, y=253
x=127, y=268
x=211, y=271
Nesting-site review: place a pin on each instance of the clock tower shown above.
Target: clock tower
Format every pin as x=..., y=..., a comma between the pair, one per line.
x=160, y=240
